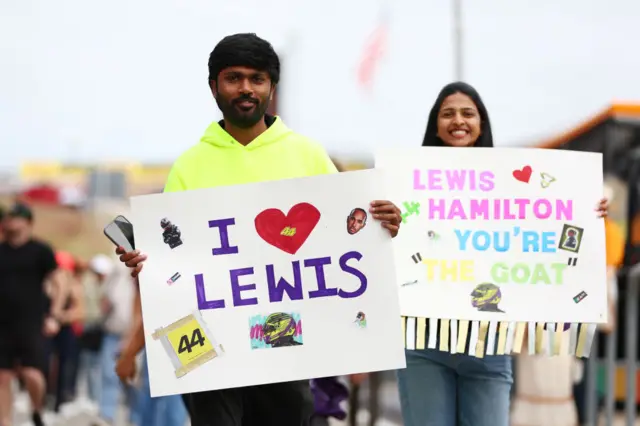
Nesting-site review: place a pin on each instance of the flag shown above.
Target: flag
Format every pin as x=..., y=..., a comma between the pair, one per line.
x=373, y=51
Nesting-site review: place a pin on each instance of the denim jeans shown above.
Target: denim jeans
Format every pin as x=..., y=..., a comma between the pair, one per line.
x=442, y=389
x=90, y=361
x=161, y=411
x=112, y=388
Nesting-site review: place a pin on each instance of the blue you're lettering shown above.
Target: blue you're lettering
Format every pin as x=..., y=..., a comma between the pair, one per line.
x=244, y=292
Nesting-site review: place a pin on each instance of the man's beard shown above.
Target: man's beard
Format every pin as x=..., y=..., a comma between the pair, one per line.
x=239, y=118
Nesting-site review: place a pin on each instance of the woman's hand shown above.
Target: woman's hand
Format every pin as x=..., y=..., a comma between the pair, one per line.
x=603, y=208
x=132, y=259
x=388, y=213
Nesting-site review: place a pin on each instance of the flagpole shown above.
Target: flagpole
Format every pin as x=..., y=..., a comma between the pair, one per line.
x=458, y=63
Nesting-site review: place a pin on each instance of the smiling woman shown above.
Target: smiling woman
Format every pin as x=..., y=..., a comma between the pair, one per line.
x=438, y=388
x=460, y=120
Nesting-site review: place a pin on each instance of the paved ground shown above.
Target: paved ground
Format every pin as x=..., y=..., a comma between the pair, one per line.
x=82, y=412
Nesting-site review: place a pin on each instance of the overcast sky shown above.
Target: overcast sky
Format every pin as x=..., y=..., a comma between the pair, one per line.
x=126, y=80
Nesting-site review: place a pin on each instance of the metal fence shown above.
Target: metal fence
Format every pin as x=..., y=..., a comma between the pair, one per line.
x=610, y=361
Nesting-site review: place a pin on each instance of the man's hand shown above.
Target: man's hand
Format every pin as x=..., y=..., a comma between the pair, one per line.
x=388, y=214
x=126, y=368
x=132, y=259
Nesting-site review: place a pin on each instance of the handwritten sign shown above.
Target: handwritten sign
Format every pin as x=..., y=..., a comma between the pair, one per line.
x=499, y=234
x=276, y=274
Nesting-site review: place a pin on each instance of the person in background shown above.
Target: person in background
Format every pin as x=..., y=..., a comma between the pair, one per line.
x=116, y=306
x=100, y=268
x=615, y=246
x=27, y=314
x=2, y=214
x=439, y=388
x=544, y=402
x=77, y=325
x=65, y=341
x=247, y=146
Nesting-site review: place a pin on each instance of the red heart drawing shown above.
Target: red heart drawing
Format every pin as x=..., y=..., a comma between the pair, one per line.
x=288, y=233
x=523, y=175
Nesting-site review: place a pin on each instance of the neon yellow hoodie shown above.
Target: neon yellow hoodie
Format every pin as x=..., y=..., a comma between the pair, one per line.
x=218, y=160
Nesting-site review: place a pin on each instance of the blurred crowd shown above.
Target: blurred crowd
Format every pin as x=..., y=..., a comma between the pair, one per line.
x=82, y=311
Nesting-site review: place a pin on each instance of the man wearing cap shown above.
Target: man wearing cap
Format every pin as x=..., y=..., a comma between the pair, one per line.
x=26, y=312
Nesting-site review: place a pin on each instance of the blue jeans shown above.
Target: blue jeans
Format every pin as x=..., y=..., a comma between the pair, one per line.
x=90, y=361
x=112, y=388
x=161, y=411
x=441, y=389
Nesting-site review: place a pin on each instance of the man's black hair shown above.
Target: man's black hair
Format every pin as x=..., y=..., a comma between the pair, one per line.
x=244, y=50
x=431, y=135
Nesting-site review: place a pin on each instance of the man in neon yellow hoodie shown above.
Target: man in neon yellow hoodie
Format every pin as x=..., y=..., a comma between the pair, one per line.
x=248, y=145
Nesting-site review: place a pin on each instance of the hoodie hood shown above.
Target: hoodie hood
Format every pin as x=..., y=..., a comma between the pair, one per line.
x=217, y=136
x=219, y=160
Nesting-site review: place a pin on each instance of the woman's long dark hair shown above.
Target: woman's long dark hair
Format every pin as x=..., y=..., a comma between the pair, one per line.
x=431, y=135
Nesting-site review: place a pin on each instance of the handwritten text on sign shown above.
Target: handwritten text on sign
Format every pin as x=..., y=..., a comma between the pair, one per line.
x=434, y=180
x=277, y=285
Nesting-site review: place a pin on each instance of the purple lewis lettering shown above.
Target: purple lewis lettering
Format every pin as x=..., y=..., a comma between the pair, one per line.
x=353, y=271
x=222, y=225
x=318, y=264
x=237, y=289
x=203, y=303
x=277, y=290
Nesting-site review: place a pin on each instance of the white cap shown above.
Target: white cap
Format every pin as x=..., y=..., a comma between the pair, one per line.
x=71, y=196
x=101, y=264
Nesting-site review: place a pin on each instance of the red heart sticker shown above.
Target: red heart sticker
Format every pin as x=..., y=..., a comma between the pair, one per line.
x=523, y=175
x=288, y=233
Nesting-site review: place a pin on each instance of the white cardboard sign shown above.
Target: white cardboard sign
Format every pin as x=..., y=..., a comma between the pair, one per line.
x=269, y=282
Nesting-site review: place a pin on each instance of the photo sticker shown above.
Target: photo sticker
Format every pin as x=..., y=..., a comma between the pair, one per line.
x=580, y=297
x=485, y=298
x=356, y=220
x=170, y=233
x=571, y=238
x=188, y=343
x=277, y=330
x=361, y=320
x=174, y=278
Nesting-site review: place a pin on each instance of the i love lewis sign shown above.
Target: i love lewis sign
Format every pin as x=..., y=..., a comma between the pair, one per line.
x=279, y=281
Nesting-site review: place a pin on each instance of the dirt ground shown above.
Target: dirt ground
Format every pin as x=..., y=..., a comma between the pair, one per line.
x=76, y=231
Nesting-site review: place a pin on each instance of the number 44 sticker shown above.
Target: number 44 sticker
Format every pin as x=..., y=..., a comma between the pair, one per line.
x=188, y=343
x=196, y=339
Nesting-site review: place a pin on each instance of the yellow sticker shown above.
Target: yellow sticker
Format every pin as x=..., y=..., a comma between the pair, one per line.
x=189, y=343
